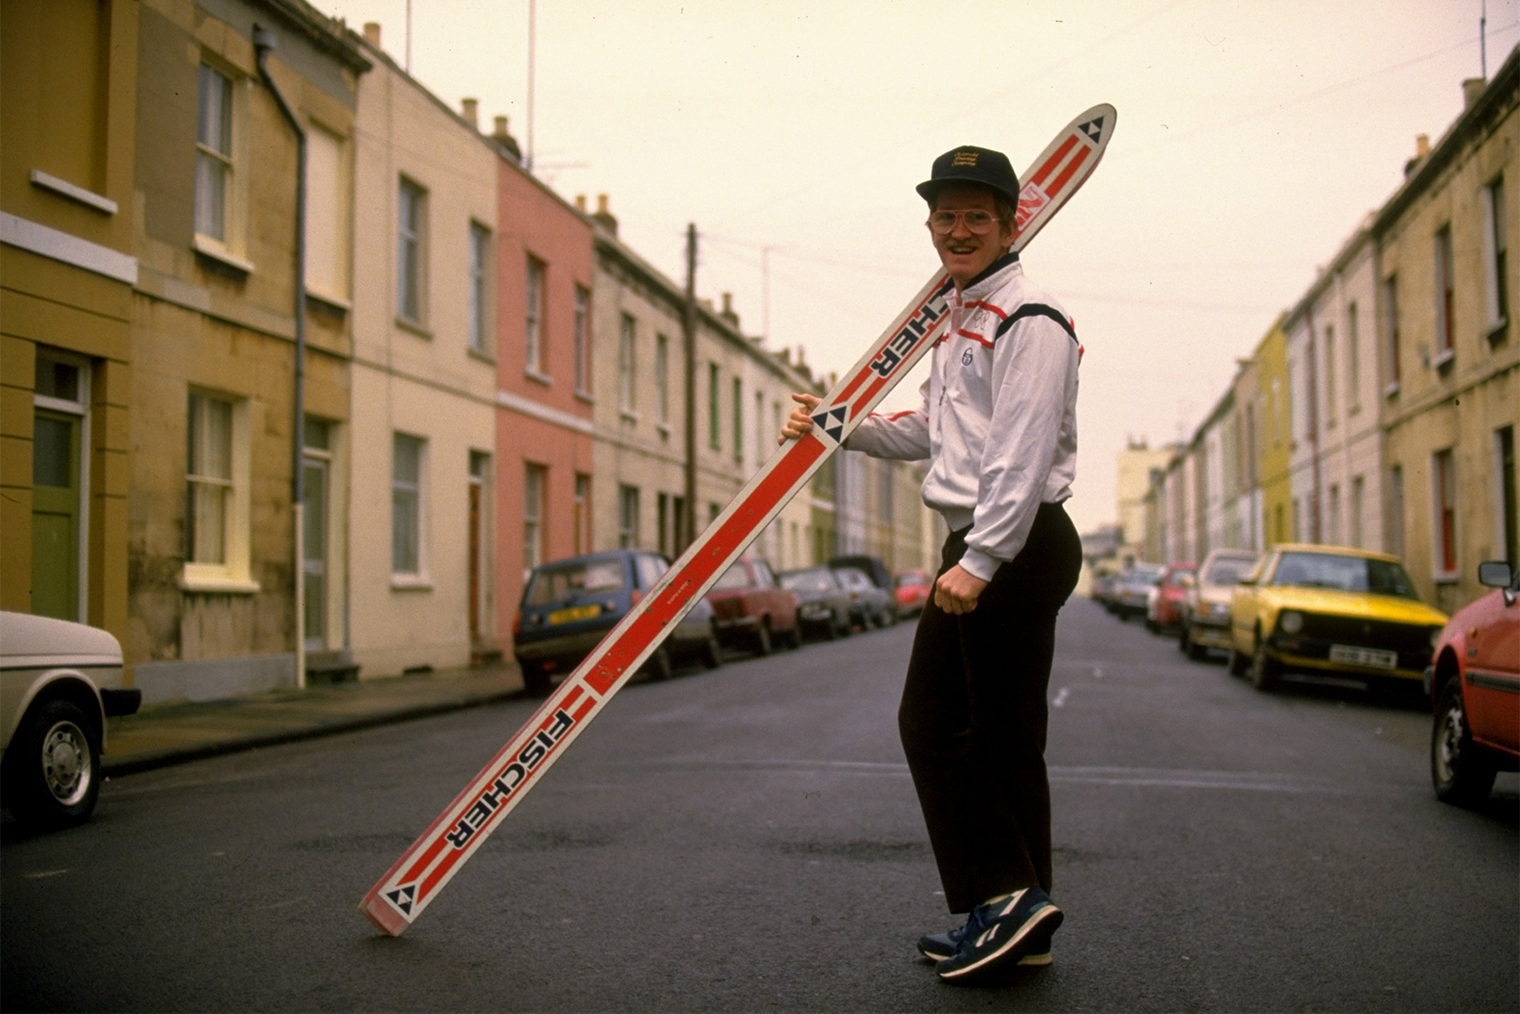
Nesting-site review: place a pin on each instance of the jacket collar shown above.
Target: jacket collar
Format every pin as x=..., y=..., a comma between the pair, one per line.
x=993, y=278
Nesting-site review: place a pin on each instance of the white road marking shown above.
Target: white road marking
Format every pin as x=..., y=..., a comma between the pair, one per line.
x=1061, y=696
x=44, y=874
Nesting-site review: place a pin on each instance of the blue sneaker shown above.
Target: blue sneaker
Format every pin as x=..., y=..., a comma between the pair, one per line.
x=939, y=946
x=1002, y=933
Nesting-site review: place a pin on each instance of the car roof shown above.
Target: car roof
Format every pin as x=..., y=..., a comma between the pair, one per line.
x=1314, y=547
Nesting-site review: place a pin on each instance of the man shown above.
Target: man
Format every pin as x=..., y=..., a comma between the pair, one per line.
x=998, y=425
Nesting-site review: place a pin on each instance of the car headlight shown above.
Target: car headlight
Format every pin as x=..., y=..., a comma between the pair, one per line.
x=1219, y=609
x=1291, y=622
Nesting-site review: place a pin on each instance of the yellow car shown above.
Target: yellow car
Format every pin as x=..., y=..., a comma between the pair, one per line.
x=1331, y=610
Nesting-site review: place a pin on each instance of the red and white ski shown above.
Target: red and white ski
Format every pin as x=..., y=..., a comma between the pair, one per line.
x=433, y=859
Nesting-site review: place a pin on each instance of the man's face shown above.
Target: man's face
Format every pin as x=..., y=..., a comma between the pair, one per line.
x=963, y=253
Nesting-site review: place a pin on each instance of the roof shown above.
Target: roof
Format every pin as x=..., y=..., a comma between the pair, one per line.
x=1315, y=547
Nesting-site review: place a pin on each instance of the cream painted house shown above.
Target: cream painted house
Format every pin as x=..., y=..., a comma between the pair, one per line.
x=424, y=378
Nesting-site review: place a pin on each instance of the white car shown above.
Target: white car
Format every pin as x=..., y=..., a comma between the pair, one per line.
x=59, y=681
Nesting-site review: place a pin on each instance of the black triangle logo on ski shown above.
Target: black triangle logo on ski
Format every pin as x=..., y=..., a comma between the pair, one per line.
x=402, y=898
x=1093, y=129
x=832, y=423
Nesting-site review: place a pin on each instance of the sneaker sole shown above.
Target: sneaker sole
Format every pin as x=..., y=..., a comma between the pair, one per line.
x=1028, y=960
x=1048, y=918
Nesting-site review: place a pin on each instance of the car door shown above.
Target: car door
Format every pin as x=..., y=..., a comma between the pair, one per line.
x=1244, y=606
x=1492, y=692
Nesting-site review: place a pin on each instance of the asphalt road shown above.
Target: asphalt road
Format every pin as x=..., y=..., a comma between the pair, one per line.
x=748, y=839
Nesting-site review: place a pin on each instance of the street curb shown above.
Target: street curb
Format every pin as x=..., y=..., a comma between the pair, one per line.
x=152, y=759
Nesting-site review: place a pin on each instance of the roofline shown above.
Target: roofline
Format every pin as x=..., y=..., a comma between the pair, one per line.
x=331, y=35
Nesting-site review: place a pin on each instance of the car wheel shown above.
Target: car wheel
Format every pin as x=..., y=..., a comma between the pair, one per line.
x=1238, y=663
x=53, y=763
x=1197, y=652
x=794, y=637
x=1460, y=774
x=846, y=628
x=712, y=652
x=536, y=681
x=1183, y=638
x=762, y=643
x=830, y=628
x=657, y=666
x=1264, y=668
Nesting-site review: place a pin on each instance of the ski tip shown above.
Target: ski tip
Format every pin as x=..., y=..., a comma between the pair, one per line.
x=382, y=916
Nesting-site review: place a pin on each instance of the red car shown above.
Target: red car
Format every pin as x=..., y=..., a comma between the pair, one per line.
x=912, y=588
x=751, y=610
x=1474, y=687
x=1163, y=609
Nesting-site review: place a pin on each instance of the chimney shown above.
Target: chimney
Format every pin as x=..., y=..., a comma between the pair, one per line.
x=728, y=310
x=502, y=137
x=1421, y=149
x=603, y=217
x=580, y=203
x=470, y=108
x=1471, y=89
x=801, y=359
x=372, y=33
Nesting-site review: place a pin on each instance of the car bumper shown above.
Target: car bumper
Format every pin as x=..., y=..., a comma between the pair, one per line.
x=1208, y=635
x=117, y=702
x=566, y=649
x=1317, y=661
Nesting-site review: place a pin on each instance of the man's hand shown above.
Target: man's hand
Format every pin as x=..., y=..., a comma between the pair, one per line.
x=800, y=422
x=956, y=590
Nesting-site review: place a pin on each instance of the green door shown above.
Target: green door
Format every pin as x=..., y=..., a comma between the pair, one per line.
x=55, y=514
x=314, y=566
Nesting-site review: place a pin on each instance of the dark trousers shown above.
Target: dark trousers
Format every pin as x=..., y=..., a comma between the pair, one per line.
x=973, y=717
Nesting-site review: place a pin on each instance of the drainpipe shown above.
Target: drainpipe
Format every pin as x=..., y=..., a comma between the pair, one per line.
x=1312, y=381
x=263, y=42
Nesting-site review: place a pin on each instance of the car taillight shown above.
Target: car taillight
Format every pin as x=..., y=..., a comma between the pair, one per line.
x=635, y=597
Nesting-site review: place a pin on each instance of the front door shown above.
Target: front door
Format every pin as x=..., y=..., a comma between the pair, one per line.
x=314, y=566
x=55, y=514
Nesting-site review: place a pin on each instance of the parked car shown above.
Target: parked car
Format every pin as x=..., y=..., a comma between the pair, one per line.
x=751, y=610
x=59, y=682
x=569, y=605
x=1474, y=688
x=1103, y=589
x=913, y=588
x=1132, y=587
x=870, y=605
x=873, y=567
x=823, y=606
x=1163, y=605
x=1206, y=605
x=1327, y=609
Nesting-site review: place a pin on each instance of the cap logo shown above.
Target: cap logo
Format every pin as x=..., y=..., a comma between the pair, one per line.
x=964, y=158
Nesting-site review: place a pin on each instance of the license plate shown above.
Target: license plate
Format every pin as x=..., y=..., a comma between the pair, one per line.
x=574, y=613
x=1374, y=658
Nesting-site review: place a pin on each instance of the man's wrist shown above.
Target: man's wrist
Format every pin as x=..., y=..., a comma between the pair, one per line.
x=979, y=565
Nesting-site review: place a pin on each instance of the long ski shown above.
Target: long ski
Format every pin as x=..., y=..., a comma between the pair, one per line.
x=423, y=870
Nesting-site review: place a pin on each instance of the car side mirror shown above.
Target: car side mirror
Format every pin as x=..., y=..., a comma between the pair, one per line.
x=1495, y=574
x=1247, y=581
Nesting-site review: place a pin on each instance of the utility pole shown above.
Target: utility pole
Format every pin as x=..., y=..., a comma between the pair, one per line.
x=765, y=291
x=689, y=334
x=532, y=53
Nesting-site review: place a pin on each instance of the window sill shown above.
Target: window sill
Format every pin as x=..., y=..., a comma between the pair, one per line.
x=1392, y=390
x=1497, y=331
x=586, y=396
x=411, y=582
x=1448, y=577
x=664, y=429
x=414, y=327
x=632, y=418
x=213, y=250
x=539, y=378
x=329, y=302
x=64, y=188
x=480, y=354
x=1444, y=359
x=214, y=585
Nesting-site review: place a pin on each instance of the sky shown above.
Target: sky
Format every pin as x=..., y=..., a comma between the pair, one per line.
x=1252, y=138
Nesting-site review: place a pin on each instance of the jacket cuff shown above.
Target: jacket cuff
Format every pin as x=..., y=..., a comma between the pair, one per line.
x=979, y=565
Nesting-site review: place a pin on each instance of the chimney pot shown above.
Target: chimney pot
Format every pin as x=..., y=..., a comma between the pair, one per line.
x=603, y=217
x=580, y=203
x=601, y=204
x=502, y=137
x=1421, y=145
x=500, y=130
x=471, y=110
x=728, y=302
x=372, y=33
x=1471, y=89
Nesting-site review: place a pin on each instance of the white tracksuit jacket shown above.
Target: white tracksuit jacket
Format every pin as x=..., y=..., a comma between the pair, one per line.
x=998, y=421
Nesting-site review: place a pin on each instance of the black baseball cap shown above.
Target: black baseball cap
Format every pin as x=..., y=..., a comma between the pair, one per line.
x=970, y=164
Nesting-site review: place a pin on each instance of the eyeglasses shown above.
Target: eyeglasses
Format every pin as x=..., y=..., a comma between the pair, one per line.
x=978, y=222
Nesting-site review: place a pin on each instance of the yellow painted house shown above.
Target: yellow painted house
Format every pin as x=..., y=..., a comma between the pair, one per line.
x=1274, y=435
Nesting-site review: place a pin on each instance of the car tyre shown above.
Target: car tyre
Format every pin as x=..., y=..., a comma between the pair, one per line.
x=658, y=665
x=712, y=652
x=1461, y=775
x=1264, y=669
x=1197, y=652
x=762, y=643
x=53, y=766
x=1184, y=638
x=1238, y=663
x=846, y=628
x=537, y=682
x=794, y=637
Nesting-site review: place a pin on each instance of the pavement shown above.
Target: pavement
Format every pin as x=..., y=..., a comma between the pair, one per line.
x=166, y=734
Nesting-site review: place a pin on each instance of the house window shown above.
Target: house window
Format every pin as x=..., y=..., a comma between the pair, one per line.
x=209, y=479
x=1395, y=531
x=662, y=376
x=535, y=317
x=1504, y=470
x=213, y=160
x=480, y=276
x=582, y=341
x=662, y=522
x=1444, y=289
x=1276, y=411
x=1391, y=333
x=884, y=498
x=759, y=428
x=582, y=513
x=738, y=419
x=1329, y=376
x=1444, y=474
x=1353, y=362
x=533, y=515
x=1335, y=514
x=326, y=214
x=410, y=210
x=1358, y=496
x=628, y=517
x=714, y=438
x=1496, y=255
x=627, y=366
x=406, y=504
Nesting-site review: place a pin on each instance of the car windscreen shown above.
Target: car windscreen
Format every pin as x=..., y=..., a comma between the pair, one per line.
x=1344, y=573
x=807, y=581
x=909, y=580
x=853, y=580
x=1228, y=570
x=553, y=583
x=736, y=576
